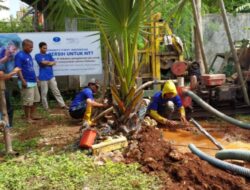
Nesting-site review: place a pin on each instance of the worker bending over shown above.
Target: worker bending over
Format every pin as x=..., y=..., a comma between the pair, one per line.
x=163, y=104
x=82, y=104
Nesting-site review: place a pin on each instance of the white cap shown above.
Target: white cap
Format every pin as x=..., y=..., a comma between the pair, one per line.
x=94, y=81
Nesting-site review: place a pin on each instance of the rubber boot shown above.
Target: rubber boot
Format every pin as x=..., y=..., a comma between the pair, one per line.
x=87, y=115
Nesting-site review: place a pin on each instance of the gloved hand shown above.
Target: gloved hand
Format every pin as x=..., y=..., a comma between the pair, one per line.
x=184, y=121
x=170, y=123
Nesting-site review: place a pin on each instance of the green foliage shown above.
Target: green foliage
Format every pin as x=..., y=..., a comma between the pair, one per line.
x=244, y=8
x=71, y=171
x=22, y=146
x=15, y=25
x=180, y=18
x=232, y=6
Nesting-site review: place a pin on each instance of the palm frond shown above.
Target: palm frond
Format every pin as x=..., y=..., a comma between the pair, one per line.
x=243, y=8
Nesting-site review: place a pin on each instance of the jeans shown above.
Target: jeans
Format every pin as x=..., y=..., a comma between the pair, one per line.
x=10, y=109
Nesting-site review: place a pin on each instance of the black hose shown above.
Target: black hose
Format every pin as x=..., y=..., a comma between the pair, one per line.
x=219, y=163
x=214, y=111
x=233, y=154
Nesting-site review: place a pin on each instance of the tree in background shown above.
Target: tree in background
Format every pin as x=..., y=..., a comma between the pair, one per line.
x=119, y=22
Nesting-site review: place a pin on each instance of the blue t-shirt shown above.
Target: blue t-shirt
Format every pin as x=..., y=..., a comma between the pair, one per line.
x=9, y=65
x=45, y=71
x=24, y=61
x=2, y=54
x=158, y=103
x=81, y=97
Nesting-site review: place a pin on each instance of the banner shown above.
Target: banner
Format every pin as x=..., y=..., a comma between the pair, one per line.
x=76, y=53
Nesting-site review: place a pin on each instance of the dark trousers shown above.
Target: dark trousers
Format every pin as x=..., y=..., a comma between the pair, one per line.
x=77, y=114
x=10, y=109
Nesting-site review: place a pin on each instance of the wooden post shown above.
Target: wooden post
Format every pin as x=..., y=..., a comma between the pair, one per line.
x=235, y=56
x=199, y=36
x=3, y=110
x=198, y=55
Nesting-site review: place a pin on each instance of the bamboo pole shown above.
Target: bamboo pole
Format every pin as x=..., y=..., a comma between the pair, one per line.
x=198, y=30
x=236, y=59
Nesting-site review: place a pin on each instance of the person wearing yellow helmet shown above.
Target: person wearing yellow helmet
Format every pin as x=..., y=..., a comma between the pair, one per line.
x=163, y=102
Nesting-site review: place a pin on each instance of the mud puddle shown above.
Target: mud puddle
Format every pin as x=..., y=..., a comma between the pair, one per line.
x=181, y=138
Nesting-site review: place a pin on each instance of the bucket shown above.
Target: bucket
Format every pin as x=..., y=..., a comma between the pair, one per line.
x=88, y=138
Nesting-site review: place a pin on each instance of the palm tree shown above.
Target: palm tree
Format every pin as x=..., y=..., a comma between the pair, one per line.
x=119, y=22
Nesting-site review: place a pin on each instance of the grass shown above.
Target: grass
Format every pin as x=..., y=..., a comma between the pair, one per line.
x=64, y=170
x=71, y=171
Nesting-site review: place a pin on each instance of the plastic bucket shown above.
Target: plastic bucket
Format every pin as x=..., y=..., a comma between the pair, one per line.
x=88, y=138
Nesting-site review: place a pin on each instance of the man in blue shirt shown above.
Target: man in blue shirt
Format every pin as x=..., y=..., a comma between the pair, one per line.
x=6, y=66
x=163, y=103
x=81, y=106
x=46, y=76
x=27, y=80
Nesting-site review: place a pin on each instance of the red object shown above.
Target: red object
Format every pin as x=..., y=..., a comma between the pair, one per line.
x=179, y=68
x=88, y=138
x=186, y=100
x=213, y=79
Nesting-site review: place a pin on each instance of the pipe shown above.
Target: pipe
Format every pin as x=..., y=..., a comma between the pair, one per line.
x=197, y=125
x=233, y=154
x=219, y=163
x=214, y=111
x=149, y=83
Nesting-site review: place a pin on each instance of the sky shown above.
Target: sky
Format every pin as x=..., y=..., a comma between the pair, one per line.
x=14, y=6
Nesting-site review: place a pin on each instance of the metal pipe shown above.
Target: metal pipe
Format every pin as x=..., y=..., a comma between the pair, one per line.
x=197, y=125
x=149, y=83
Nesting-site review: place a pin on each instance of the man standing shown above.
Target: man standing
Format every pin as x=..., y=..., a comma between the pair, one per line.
x=4, y=120
x=27, y=80
x=7, y=66
x=46, y=76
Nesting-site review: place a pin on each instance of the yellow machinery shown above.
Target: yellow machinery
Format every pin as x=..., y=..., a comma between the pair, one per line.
x=158, y=56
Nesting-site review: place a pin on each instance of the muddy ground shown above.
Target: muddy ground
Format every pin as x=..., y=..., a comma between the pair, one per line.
x=157, y=156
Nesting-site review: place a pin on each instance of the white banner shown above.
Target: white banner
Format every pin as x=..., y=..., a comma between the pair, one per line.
x=76, y=53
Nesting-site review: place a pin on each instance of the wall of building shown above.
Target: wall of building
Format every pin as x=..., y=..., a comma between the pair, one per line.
x=214, y=34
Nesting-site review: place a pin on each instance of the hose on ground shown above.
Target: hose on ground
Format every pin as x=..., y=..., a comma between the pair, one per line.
x=219, y=163
x=214, y=111
x=233, y=154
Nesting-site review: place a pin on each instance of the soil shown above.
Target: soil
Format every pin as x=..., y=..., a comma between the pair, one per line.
x=156, y=155
x=178, y=170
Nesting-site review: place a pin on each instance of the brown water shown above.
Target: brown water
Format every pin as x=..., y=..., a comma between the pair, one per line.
x=180, y=139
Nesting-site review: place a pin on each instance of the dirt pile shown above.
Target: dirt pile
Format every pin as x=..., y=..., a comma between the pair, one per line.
x=178, y=170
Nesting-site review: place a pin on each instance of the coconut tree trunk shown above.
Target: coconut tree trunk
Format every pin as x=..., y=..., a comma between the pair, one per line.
x=235, y=56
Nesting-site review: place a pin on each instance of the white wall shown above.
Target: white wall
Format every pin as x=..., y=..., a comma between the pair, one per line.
x=4, y=14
